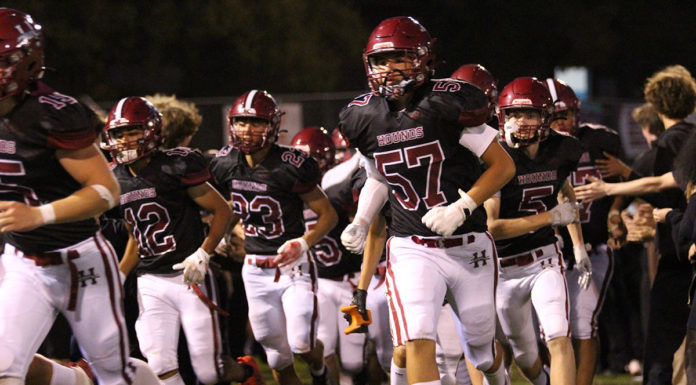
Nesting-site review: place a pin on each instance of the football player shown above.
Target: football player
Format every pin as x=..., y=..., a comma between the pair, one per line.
x=521, y=217
x=338, y=268
x=268, y=186
x=479, y=76
x=422, y=140
x=597, y=141
x=162, y=195
x=55, y=182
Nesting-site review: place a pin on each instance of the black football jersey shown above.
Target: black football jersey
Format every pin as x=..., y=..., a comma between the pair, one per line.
x=45, y=121
x=166, y=222
x=595, y=140
x=534, y=189
x=332, y=257
x=417, y=149
x=267, y=197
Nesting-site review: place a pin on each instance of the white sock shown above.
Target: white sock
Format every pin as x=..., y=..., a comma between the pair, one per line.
x=397, y=375
x=174, y=380
x=62, y=375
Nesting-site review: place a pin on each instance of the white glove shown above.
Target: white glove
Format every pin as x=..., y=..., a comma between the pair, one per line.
x=195, y=266
x=444, y=220
x=354, y=236
x=584, y=266
x=291, y=253
x=564, y=213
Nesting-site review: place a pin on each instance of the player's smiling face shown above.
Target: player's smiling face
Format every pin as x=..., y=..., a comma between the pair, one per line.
x=127, y=137
x=523, y=122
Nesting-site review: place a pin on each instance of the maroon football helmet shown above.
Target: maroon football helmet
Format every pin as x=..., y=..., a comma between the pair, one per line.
x=256, y=104
x=564, y=99
x=524, y=93
x=479, y=76
x=21, y=52
x=318, y=144
x=399, y=35
x=343, y=150
x=133, y=112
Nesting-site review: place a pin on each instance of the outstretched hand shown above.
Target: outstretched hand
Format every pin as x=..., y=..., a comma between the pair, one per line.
x=594, y=190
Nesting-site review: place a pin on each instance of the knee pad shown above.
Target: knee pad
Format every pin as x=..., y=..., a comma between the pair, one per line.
x=481, y=356
x=352, y=365
x=582, y=329
x=6, y=358
x=111, y=370
x=300, y=343
x=526, y=359
x=143, y=373
x=206, y=368
x=278, y=361
x=555, y=325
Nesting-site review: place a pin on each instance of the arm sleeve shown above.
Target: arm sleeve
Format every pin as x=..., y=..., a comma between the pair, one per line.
x=370, y=169
x=372, y=197
x=477, y=139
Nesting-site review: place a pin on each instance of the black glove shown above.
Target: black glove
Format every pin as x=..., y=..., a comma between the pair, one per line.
x=358, y=301
x=359, y=298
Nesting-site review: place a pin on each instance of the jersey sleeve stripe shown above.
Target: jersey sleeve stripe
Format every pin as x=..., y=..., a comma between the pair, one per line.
x=73, y=140
x=196, y=178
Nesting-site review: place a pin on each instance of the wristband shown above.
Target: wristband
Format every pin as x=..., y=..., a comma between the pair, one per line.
x=48, y=214
x=104, y=193
x=467, y=201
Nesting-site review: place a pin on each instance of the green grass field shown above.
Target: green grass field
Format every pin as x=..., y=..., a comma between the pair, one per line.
x=517, y=379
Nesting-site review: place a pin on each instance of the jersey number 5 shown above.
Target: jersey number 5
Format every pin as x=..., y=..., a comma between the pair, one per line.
x=428, y=157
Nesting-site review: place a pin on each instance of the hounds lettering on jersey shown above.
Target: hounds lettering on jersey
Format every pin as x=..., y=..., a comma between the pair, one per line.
x=135, y=195
x=361, y=100
x=152, y=221
x=8, y=147
x=268, y=208
x=532, y=199
x=578, y=178
x=414, y=156
x=400, y=136
x=537, y=177
x=10, y=168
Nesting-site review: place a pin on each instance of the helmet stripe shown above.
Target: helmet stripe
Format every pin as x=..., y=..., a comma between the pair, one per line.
x=552, y=90
x=249, y=102
x=118, y=111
